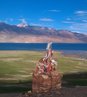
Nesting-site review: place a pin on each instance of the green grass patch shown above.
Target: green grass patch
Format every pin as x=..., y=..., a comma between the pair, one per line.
x=17, y=66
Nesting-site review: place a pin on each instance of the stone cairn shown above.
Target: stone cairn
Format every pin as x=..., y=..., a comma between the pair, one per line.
x=46, y=78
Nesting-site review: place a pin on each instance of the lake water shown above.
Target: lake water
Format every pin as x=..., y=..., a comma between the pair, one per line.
x=42, y=46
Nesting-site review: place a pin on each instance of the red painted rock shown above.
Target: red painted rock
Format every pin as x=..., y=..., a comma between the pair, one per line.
x=46, y=82
x=45, y=76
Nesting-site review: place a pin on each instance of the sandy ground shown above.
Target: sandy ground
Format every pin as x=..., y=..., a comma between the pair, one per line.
x=65, y=92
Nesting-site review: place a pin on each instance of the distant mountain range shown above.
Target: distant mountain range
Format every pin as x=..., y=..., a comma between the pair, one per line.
x=27, y=33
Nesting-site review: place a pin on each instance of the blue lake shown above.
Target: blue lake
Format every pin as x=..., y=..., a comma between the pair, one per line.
x=42, y=46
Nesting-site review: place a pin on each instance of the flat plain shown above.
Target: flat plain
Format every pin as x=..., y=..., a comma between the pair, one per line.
x=16, y=69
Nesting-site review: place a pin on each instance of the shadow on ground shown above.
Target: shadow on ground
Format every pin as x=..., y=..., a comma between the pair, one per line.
x=68, y=80
x=74, y=79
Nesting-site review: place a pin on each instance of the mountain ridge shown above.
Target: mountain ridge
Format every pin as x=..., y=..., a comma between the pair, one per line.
x=28, y=33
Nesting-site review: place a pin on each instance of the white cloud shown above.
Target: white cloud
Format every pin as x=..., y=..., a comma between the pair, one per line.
x=46, y=19
x=7, y=20
x=68, y=19
x=81, y=12
x=54, y=10
x=23, y=20
x=35, y=24
x=77, y=23
x=80, y=27
x=68, y=22
x=85, y=21
x=11, y=19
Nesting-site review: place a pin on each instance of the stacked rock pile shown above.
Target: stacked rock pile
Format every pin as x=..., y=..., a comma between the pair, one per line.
x=45, y=76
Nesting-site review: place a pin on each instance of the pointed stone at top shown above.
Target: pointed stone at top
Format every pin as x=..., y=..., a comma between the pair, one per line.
x=49, y=46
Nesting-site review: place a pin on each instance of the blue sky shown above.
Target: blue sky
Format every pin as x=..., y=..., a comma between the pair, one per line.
x=60, y=14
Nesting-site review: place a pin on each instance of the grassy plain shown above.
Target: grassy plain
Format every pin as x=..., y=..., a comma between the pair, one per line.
x=16, y=67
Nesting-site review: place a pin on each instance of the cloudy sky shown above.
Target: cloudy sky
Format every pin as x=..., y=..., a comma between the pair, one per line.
x=59, y=14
